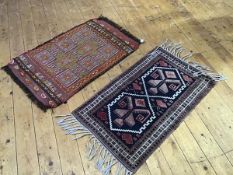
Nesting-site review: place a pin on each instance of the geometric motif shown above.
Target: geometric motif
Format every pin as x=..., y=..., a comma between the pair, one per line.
x=134, y=113
x=129, y=113
x=135, y=109
x=62, y=66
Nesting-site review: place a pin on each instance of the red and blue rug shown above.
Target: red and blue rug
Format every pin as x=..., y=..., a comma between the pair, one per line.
x=56, y=70
x=130, y=117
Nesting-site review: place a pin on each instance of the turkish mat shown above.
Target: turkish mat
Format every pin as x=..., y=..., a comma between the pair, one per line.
x=56, y=70
x=130, y=117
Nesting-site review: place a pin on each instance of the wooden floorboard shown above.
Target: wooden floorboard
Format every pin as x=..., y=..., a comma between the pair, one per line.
x=32, y=143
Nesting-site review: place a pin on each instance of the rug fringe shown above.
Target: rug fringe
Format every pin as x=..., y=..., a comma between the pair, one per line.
x=95, y=149
x=25, y=89
x=176, y=49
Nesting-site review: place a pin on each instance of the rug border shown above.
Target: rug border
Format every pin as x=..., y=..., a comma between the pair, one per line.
x=25, y=89
x=29, y=92
x=181, y=117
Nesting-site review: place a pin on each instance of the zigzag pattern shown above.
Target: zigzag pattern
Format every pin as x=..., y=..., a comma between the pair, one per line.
x=147, y=96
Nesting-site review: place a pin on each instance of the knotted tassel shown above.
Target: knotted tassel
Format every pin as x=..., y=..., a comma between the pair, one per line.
x=176, y=49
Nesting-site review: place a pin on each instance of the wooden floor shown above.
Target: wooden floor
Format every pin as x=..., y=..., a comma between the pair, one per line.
x=32, y=143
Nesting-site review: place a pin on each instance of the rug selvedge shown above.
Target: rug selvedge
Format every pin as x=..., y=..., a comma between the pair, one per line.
x=131, y=117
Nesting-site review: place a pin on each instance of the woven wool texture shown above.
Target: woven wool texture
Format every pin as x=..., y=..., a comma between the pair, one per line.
x=59, y=68
x=130, y=117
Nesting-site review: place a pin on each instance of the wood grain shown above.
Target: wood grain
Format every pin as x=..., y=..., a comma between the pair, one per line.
x=32, y=143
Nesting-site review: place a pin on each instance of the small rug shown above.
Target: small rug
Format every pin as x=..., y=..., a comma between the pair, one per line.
x=130, y=117
x=56, y=70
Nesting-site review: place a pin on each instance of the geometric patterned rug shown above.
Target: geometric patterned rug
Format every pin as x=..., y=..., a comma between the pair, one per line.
x=59, y=68
x=130, y=117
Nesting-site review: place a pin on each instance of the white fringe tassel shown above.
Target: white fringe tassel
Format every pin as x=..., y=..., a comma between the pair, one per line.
x=95, y=149
x=104, y=159
x=176, y=49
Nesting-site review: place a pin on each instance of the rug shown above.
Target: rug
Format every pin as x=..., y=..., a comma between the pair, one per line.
x=130, y=117
x=56, y=70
